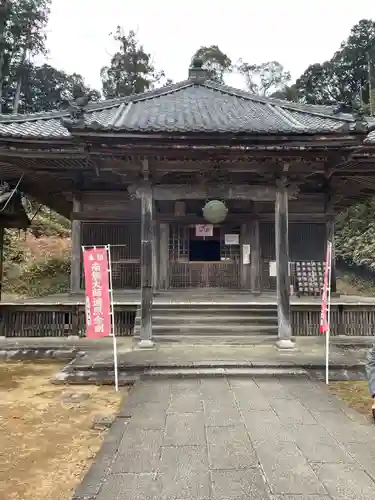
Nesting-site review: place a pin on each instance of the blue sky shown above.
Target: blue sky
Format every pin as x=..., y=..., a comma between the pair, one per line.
x=296, y=33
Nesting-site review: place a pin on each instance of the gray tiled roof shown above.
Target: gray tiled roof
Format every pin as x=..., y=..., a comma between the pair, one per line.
x=187, y=107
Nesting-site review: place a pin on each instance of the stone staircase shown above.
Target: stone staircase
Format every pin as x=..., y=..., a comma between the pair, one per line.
x=211, y=320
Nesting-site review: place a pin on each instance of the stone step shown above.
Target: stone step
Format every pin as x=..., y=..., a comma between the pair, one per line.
x=233, y=340
x=212, y=329
x=192, y=320
x=106, y=376
x=224, y=372
x=210, y=320
x=213, y=308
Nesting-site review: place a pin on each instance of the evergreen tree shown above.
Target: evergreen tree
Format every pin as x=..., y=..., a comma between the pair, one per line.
x=22, y=35
x=131, y=70
x=344, y=77
x=215, y=62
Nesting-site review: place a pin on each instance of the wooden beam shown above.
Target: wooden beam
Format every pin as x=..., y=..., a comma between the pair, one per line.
x=196, y=192
x=282, y=268
x=255, y=257
x=75, y=272
x=105, y=216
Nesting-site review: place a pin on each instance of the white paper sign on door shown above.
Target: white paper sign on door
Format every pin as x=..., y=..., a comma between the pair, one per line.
x=204, y=230
x=246, y=254
x=272, y=265
x=232, y=239
x=273, y=268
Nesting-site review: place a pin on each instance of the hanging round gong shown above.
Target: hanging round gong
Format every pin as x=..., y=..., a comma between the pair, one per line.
x=215, y=211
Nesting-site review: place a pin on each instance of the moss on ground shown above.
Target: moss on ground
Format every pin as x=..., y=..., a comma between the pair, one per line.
x=355, y=394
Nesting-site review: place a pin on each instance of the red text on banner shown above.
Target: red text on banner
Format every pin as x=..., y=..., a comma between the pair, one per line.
x=97, y=299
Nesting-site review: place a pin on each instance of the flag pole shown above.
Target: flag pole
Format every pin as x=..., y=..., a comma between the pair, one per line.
x=329, y=264
x=115, y=364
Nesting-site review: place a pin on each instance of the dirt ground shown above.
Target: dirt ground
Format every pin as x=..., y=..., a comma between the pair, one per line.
x=46, y=444
x=355, y=394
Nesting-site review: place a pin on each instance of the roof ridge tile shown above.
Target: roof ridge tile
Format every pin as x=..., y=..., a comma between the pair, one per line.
x=299, y=107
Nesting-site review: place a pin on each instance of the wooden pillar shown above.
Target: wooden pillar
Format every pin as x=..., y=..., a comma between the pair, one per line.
x=147, y=261
x=255, y=257
x=330, y=236
x=155, y=251
x=75, y=272
x=245, y=269
x=282, y=268
x=329, y=217
x=163, y=256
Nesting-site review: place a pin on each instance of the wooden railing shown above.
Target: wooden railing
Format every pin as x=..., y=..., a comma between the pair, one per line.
x=223, y=274
x=56, y=321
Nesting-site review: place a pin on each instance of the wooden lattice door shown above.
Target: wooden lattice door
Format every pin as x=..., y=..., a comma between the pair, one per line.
x=185, y=273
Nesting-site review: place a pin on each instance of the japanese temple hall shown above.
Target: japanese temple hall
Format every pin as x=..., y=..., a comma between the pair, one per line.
x=197, y=185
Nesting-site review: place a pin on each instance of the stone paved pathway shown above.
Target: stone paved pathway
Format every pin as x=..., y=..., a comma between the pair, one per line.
x=234, y=439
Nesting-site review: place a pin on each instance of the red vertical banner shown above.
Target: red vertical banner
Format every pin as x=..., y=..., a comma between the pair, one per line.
x=325, y=294
x=97, y=300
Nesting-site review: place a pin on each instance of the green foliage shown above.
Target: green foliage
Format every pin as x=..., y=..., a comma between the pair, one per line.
x=345, y=77
x=13, y=252
x=264, y=79
x=287, y=93
x=215, y=62
x=41, y=278
x=44, y=88
x=45, y=222
x=25, y=87
x=355, y=235
x=131, y=69
x=49, y=226
x=358, y=284
x=37, y=262
x=22, y=35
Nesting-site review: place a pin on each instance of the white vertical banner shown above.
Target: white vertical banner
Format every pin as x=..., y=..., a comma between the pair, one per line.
x=325, y=315
x=113, y=333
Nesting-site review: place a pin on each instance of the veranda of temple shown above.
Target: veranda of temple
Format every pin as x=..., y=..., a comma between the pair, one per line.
x=137, y=172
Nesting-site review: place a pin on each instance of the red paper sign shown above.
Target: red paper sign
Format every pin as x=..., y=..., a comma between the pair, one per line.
x=324, y=309
x=97, y=300
x=204, y=230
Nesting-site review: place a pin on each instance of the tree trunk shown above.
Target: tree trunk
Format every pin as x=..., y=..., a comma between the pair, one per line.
x=3, y=19
x=17, y=95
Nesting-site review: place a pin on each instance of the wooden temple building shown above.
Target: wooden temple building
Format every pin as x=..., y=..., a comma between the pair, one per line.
x=199, y=187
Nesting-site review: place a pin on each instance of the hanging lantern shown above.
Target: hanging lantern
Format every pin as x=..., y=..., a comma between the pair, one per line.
x=215, y=211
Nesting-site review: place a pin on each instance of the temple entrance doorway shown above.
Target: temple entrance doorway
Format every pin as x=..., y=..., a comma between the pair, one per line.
x=204, y=249
x=197, y=261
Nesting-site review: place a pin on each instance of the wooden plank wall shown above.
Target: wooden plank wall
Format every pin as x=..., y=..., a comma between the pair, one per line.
x=125, y=241
x=114, y=218
x=110, y=205
x=307, y=241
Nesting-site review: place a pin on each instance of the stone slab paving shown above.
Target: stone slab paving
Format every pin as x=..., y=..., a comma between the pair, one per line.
x=234, y=439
